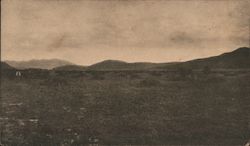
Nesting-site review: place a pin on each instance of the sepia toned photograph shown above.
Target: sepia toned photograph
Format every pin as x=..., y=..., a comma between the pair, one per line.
x=125, y=73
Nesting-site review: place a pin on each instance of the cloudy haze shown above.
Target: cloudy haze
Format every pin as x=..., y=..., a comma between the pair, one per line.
x=86, y=32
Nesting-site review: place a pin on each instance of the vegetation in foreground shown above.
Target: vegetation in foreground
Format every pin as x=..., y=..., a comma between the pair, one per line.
x=119, y=107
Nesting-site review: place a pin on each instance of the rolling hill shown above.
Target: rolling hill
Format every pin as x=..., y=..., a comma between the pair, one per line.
x=5, y=66
x=41, y=64
x=121, y=65
x=237, y=59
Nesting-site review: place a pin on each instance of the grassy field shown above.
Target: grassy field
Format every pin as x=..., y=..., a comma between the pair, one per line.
x=126, y=107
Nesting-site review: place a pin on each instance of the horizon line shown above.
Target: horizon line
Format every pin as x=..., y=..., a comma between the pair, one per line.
x=72, y=63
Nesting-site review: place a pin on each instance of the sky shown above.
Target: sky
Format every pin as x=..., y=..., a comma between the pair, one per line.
x=89, y=31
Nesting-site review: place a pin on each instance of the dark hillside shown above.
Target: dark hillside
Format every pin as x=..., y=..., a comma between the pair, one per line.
x=238, y=59
x=121, y=65
x=5, y=66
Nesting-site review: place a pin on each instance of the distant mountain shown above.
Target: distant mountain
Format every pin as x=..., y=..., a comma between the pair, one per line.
x=41, y=64
x=5, y=66
x=238, y=59
x=121, y=65
x=70, y=68
x=108, y=65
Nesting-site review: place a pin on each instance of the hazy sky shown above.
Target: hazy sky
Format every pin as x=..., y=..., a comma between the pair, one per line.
x=89, y=31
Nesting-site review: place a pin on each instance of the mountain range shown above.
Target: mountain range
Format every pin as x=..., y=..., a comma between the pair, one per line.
x=41, y=64
x=237, y=59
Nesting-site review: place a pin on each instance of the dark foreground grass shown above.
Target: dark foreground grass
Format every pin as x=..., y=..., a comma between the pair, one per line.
x=119, y=108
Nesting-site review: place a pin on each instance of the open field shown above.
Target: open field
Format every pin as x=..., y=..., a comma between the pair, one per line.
x=125, y=107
